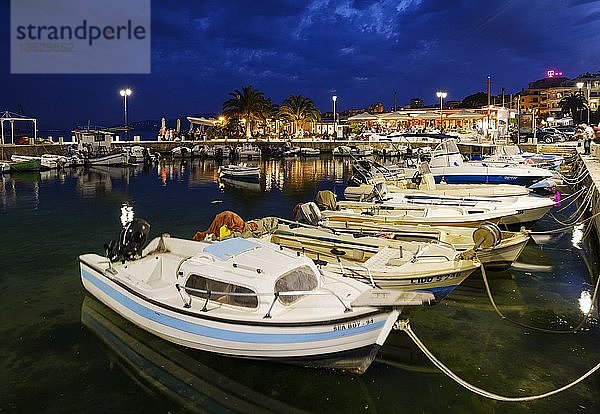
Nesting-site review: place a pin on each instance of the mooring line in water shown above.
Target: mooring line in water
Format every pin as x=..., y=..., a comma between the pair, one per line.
x=404, y=325
x=566, y=227
x=574, y=196
x=579, y=212
x=524, y=325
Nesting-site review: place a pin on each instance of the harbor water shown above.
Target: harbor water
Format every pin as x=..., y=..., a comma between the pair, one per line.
x=64, y=352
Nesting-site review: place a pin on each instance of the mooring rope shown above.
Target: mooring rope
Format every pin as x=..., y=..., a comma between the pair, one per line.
x=566, y=227
x=524, y=325
x=574, y=197
x=580, y=211
x=404, y=325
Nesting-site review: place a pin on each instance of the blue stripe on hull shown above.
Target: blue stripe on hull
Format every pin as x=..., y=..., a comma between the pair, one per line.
x=488, y=179
x=217, y=333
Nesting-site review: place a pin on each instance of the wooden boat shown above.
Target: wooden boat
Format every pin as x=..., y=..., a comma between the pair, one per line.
x=244, y=298
x=386, y=263
x=496, y=249
x=25, y=165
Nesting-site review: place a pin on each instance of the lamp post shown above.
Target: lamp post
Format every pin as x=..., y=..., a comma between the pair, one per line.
x=334, y=99
x=441, y=95
x=125, y=93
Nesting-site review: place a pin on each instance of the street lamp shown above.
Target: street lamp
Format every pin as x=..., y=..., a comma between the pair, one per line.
x=125, y=93
x=441, y=95
x=334, y=99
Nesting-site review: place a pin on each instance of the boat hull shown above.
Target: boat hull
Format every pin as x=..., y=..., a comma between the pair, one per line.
x=108, y=160
x=349, y=342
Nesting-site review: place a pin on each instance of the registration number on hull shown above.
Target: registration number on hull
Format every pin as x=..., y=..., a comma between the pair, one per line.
x=433, y=279
x=353, y=325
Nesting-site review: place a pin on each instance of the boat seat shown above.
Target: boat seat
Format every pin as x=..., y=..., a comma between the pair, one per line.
x=382, y=257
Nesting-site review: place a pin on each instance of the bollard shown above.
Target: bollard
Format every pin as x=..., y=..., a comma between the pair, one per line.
x=61, y=140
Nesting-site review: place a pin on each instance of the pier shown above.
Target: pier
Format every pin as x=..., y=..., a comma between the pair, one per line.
x=468, y=148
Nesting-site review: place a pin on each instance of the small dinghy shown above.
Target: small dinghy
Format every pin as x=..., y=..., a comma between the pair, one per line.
x=244, y=298
x=239, y=172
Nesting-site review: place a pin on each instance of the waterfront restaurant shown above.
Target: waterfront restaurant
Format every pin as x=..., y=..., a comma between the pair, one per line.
x=492, y=121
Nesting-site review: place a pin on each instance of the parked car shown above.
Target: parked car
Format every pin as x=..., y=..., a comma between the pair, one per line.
x=542, y=135
x=568, y=131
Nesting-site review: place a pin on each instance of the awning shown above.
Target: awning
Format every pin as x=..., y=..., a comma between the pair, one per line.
x=464, y=114
x=364, y=116
x=396, y=116
x=202, y=121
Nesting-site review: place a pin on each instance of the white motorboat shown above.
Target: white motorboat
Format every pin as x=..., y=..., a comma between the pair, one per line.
x=387, y=263
x=248, y=150
x=529, y=208
x=342, y=151
x=447, y=165
x=244, y=298
x=181, y=152
x=310, y=152
x=292, y=152
x=512, y=154
x=239, y=171
x=47, y=161
x=112, y=159
x=4, y=167
x=138, y=155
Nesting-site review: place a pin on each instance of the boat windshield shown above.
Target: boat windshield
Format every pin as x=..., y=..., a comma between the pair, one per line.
x=222, y=292
x=300, y=279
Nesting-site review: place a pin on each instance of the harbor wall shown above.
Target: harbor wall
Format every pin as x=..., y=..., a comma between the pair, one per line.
x=591, y=163
x=165, y=147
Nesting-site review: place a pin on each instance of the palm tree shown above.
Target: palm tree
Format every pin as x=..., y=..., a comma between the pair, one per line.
x=249, y=104
x=298, y=110
x=574, y=103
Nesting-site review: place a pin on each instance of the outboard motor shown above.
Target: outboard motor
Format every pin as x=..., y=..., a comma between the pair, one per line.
x=131, y=241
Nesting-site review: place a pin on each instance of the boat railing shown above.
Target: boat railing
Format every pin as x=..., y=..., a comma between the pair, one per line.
x=276, y=295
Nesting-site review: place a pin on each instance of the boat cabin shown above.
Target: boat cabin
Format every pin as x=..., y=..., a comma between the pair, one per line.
x=251, y=276
x=93, y=141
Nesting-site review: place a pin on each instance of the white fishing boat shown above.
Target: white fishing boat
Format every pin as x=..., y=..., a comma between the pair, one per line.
x=244, y=298
x=387, y=263
x=239, y=171
x=447, y=164
x=95, y=146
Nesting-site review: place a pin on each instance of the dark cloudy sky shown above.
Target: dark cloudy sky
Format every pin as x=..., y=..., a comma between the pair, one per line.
x=364, y=50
